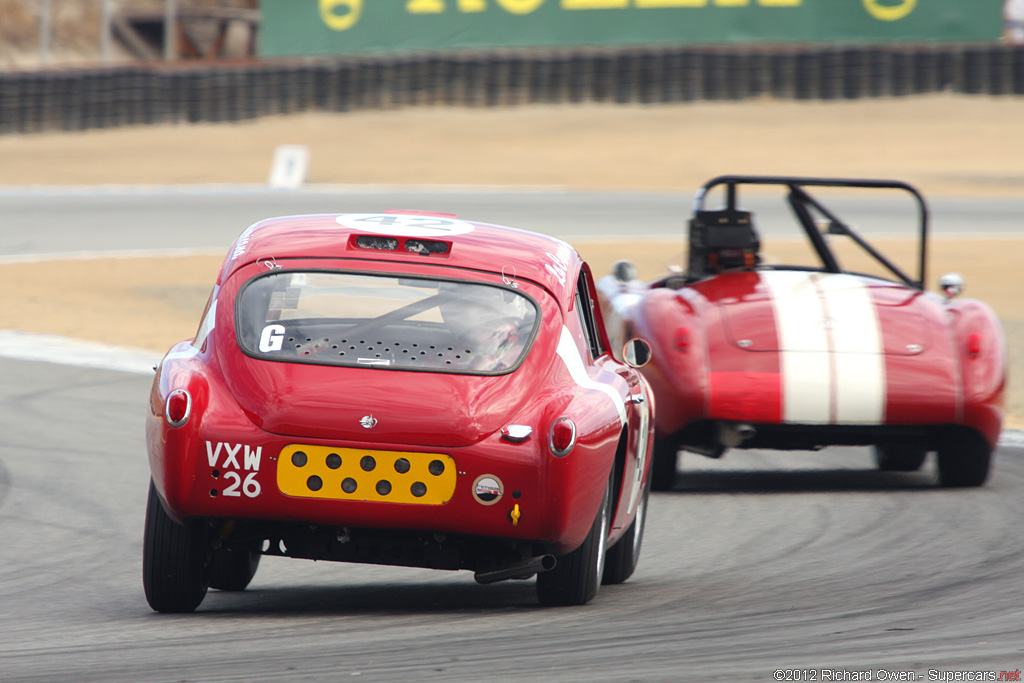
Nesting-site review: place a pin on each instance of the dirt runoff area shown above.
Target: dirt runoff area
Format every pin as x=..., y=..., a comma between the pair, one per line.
x=944, y=144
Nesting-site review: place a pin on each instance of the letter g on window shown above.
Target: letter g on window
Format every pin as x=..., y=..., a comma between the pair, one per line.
x=272, y=338
x=339, y=15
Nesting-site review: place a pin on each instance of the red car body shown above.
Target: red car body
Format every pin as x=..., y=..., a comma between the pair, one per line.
x=753, y=354
x=265, y=440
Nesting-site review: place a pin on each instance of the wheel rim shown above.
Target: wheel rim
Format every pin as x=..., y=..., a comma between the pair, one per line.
x=638, y=526
x=602, y=538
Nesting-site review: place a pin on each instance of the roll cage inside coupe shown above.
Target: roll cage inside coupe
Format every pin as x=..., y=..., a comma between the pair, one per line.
x=836, y=343
x=401, y=389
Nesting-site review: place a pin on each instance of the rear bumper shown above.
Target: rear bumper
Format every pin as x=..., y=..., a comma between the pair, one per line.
x=362, y=545
x=492, y=489
x=702, y=434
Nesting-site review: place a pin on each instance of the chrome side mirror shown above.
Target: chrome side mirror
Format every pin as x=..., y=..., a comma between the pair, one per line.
x=952, y=284
x=636, y=353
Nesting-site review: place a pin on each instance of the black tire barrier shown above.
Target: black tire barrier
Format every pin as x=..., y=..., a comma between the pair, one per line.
x=82, y=99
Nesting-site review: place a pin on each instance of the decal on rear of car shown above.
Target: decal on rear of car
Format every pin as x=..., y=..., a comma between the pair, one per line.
x=405, y=225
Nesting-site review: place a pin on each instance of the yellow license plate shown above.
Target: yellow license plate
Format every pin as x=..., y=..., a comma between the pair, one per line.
x=361, y=474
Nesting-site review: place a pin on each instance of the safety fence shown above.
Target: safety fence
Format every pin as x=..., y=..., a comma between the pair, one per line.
x=82, y=99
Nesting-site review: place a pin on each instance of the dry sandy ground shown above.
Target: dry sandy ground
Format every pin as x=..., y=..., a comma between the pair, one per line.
x=941, y=143
x=944, y=144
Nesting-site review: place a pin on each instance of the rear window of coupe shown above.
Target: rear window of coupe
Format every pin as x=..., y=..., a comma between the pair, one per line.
x=385, y=321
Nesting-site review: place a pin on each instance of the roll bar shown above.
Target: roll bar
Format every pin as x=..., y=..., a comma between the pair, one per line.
x=801, y=201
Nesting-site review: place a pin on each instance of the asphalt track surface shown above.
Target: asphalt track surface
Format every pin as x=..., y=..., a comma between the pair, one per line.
x=764, y=561
x=58, y=220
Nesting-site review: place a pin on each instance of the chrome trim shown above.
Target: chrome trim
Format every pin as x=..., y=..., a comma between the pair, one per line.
x=952, y=285
x=188, y=408
x=516, y=433
x=551, y=438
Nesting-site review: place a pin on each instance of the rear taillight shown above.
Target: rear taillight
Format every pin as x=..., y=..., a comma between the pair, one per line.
x=178, y=407
x=562, y=437
x=974, y=345
x=682, y=339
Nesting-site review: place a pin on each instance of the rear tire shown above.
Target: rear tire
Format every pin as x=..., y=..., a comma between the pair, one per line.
x=964, y=460
x=663, y=465
x=233, y=568
x=577, y=576
x=175, y=560
x=622, y=558
x=899, y=458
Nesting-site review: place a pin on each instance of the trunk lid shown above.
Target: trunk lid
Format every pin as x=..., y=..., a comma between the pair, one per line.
x=376, y=405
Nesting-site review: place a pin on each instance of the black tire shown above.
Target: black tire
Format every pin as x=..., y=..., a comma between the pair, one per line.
x=899, y=458
x=663, y=465
x=175, y=560
x=964, y=459
x=231, y=569
x=577, y=576
x=621, y=560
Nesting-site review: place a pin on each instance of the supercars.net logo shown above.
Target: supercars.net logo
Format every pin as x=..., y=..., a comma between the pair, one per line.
x=892, y=675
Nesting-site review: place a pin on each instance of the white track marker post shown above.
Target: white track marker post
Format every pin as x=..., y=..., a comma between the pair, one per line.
x=106, y=16
x=289, y=168
x=45, y=30
x=170, y=30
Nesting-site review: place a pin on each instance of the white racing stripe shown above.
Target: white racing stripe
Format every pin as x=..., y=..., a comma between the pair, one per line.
x=804, y=347
x=858, y=350
x=570, y=355
x=832, y=362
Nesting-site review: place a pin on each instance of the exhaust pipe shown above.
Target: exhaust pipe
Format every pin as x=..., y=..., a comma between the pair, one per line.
x=732, y=435
x=523, y=570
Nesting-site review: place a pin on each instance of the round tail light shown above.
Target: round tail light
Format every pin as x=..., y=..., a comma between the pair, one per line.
x=974, y=345
x=682, y=339
x=178, y=407
x=562, y=437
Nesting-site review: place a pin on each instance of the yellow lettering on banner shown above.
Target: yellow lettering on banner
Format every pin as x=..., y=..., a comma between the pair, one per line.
x=889, y=12
x=655, y=4
x=661, y=4
x=520, y=6
x=595, y=4
x=340, y=20
x=472, y=5
x=424, y=6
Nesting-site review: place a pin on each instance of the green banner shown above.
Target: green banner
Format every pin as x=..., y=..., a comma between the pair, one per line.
x=323, y=27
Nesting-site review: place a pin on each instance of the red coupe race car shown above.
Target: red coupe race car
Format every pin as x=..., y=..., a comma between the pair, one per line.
x=749, y=351
x=402, y=389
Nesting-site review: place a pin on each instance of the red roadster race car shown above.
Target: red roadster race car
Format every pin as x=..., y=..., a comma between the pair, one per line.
x=846, y=349
x=403, y=389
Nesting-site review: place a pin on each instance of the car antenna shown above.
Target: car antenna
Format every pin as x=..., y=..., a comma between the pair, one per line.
x=510, y=281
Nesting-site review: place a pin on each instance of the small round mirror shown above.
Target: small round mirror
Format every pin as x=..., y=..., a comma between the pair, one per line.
x=952, y=284
x=636, y=353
